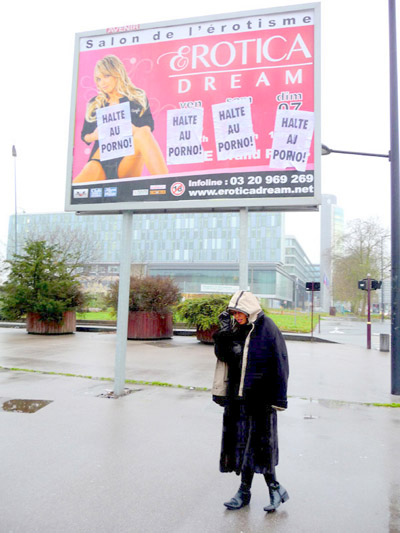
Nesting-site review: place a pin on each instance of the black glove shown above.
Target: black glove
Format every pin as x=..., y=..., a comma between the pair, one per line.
x=225, y=322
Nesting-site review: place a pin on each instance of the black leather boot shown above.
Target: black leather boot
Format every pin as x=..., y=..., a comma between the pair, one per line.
x=277, y=495
x=241, y=498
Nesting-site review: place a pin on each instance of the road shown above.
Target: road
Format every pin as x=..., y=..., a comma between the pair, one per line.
x=349, y=330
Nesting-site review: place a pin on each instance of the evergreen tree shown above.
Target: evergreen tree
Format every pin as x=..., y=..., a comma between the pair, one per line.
x=40, y=281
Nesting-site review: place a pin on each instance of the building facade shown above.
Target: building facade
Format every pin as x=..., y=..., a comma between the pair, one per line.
x=302, y=271
x=332, y=226
x=199, y=250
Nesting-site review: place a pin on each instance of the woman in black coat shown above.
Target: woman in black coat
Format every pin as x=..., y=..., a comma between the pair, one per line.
x=251, y=382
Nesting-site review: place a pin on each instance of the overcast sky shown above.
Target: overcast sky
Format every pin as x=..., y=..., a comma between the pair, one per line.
x=38, y=44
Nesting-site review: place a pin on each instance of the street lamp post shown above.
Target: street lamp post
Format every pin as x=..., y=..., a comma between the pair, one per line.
x=14, y=154
x=395, y=199
x=394, y=158
x=325, y=150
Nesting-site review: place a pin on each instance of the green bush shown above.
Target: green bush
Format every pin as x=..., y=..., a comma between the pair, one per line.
x=203, y=312
x=40, y=281
x=149, y=293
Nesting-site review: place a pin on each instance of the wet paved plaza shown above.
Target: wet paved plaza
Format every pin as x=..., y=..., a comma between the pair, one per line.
x=148, y=461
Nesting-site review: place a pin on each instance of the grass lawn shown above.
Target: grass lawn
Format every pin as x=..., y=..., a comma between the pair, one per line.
x=96, y=315
x=301, y=323
x=288, y=322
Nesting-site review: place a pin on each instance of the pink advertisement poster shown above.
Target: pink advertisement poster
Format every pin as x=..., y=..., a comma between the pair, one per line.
x=219, y=109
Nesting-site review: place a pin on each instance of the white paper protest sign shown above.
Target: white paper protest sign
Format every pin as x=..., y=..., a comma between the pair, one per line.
x=184, y=134
x=233, y=127
x=292, y=139
x=115, y=131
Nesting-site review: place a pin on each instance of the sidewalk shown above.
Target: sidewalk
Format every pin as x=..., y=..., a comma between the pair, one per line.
x=148, y=462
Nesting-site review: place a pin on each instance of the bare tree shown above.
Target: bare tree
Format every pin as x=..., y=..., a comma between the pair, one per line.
x=77, y=247
x=359, y=252
x=3, y=267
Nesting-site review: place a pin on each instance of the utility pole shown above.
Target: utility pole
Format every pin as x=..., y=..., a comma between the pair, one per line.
x=395, y=201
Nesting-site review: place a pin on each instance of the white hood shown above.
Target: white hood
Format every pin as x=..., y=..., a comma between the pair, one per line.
x=245, y=302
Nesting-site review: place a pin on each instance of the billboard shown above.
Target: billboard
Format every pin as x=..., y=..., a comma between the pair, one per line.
x=213, y=113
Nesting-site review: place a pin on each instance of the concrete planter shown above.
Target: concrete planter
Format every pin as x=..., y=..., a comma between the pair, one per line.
x=144, y=325
x=40, y=327
x=206, y=335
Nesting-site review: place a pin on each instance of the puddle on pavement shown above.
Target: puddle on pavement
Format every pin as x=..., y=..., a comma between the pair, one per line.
x=24, y=406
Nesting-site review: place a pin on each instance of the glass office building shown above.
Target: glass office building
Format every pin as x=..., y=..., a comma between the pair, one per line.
x=199, y=250
x=302, y=270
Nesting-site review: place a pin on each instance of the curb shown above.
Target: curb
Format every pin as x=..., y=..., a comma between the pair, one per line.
x=94, y=328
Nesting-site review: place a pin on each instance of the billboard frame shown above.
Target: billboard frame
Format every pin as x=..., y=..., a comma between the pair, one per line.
x=309, y=203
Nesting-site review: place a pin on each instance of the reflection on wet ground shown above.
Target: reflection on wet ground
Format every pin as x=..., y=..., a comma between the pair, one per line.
x=165, y=343
x=24, y=406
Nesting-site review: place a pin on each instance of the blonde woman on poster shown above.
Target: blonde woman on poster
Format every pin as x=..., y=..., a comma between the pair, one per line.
x=114, y=87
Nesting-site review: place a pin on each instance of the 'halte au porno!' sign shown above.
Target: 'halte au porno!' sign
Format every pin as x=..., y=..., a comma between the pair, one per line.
x=233, y=127
x=115, y=131
x=233, y=130
x=293, y=134
x=184, y=133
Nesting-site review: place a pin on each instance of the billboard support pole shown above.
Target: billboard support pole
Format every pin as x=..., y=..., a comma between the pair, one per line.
x=123, y=302
x=244, y=249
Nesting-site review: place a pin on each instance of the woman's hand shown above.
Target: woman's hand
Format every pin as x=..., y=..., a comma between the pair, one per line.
x=91, y=137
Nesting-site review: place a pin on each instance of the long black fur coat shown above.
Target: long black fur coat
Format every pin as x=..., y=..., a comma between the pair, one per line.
x=250, y=435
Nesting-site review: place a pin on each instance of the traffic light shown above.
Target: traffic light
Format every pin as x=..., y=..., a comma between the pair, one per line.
x=363, y=285
x=375, y=284
x=313, y=286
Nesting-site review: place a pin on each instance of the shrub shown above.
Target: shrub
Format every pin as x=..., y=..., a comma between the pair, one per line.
x=149, y=293
x=203, y=312
x=40, y=281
